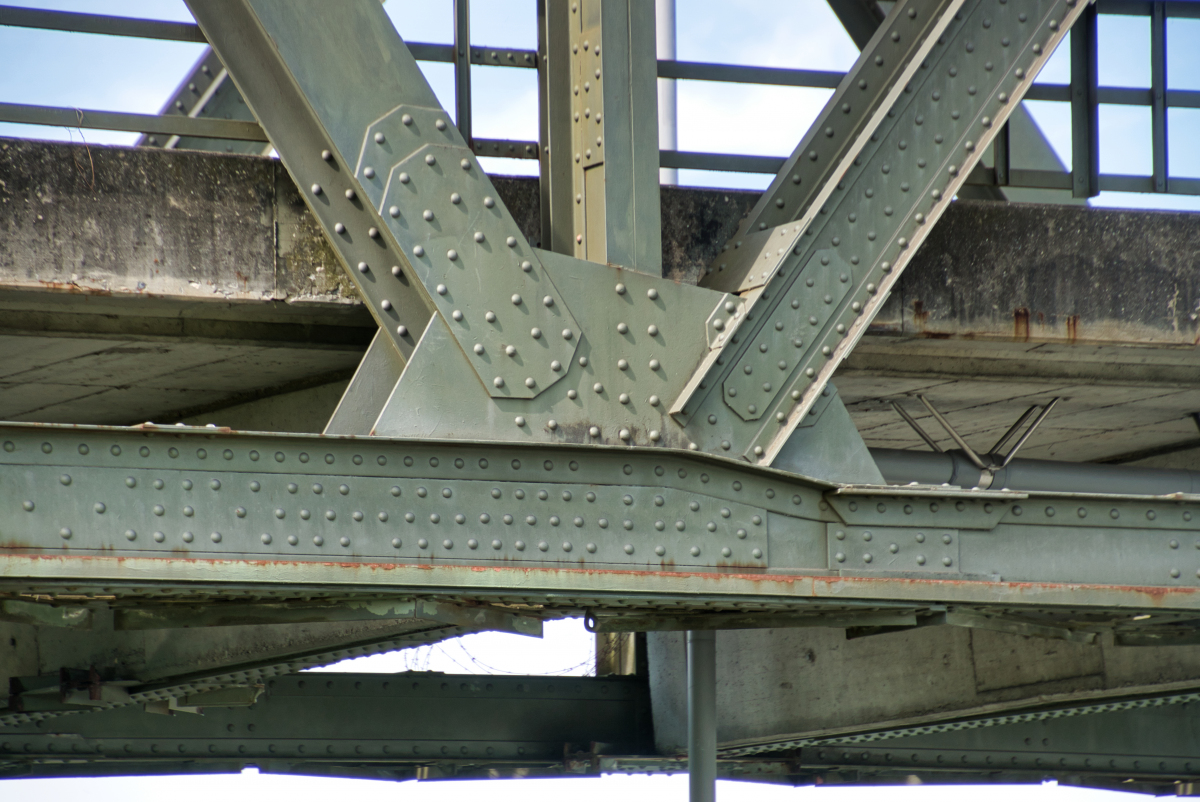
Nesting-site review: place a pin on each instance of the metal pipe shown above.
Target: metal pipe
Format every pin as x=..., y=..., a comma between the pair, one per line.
x=1028, y=432
x=954, y=435
x=916, y=427
x=1003, y=441
x=702, y=716
x=668, y=136
x=954, y=468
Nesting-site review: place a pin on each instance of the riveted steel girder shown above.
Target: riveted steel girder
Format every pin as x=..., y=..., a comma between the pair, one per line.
x=891, y=56
x=151, y=648
x=415, y=219
x=600, y=126
x=569, y=525
x=390, y=725
x=872, y=213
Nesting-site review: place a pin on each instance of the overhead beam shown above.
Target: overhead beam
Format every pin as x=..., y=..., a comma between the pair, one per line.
x=395, y=726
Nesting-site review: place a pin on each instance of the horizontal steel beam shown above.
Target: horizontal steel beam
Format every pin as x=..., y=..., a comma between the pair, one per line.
x=743, y=74
x=122, y=121
x=100, y=24
x=569, y=527
x=389, y=725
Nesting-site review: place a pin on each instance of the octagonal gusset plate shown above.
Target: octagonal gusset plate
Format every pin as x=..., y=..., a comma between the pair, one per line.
x=466, y=249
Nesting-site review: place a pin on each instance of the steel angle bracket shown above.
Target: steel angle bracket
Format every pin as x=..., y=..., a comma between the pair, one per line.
x=878, y=210
x=207, y=92
x=418, y=225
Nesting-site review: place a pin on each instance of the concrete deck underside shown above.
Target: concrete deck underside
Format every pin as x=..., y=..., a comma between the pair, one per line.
x=148, y=285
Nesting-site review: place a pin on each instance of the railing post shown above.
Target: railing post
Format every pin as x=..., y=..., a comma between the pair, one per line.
x=702, y=716
x=554, y=125
x=668, y=110
x=462, y=68
x=1085, y=127
x=1158, y=90
x=613, y=118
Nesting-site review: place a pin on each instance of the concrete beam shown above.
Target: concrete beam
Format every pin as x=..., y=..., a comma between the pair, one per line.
x=144, y=284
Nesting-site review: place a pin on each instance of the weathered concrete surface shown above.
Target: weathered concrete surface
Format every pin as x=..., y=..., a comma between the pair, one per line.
x=147, y=284
x=772, y=684
x=1034, y=273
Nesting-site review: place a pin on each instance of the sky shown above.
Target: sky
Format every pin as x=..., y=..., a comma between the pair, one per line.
x=96, y=72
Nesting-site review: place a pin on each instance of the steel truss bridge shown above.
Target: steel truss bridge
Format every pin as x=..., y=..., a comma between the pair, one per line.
x=551, y=428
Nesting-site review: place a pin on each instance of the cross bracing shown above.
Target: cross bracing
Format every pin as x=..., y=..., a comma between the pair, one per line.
x=537, y=432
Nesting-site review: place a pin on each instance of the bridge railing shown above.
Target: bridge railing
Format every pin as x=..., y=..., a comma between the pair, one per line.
x=1083, y=94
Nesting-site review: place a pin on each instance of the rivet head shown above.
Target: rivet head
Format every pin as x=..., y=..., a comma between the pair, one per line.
x=520, y=421
x=516, y=300
x=498, y=382
x=594, y=431
x=652, y=330
x=620, y=289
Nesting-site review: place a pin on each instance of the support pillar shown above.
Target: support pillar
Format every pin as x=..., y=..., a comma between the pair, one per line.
x=600, y=132
x=702, y=716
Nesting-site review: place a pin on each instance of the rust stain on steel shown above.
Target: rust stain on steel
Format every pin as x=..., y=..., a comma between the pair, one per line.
x=1021, y=323
x=816, y=585
x=1072, y=327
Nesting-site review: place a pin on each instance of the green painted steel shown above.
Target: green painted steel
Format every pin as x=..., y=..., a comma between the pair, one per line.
x=888, y=192
x=599, y=131
x=638, y=339
x=614, y=138
x=890, y=57
x=390, y=726
x=207, y=92
x=149, y=505
x=121, y=646
x=415, y=219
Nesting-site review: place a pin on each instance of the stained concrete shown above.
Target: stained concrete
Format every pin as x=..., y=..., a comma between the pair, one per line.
x=148, y=284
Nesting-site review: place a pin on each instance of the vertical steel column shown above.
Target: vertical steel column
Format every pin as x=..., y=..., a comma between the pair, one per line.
x=668, y=108
x=702, y=716
x=1158, y=90
x=555, y=126
x=1000, y=156
x=462, y=68
x=614, y=119
x=1085, y=125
